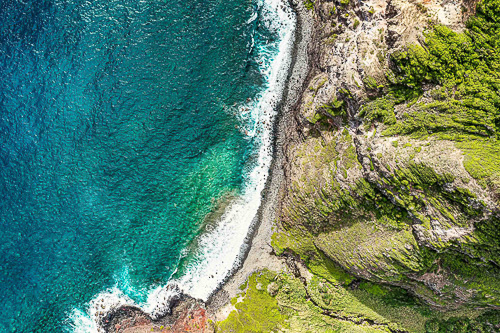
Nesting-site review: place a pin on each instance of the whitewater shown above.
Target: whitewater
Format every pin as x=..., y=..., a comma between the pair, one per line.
x=220, y=249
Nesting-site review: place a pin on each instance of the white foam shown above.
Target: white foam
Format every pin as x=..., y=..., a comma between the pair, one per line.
x=91, y=319
x=220, y=249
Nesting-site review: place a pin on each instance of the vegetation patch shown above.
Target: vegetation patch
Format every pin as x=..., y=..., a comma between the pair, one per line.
x=464, y=69
x=309, y=4
x=381, y=109
x=258, y=312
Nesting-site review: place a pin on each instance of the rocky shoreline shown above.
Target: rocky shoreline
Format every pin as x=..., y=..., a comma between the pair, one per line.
x=260, y=253
x=188, y=314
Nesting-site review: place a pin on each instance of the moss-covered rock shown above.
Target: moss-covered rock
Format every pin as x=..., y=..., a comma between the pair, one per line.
x=405, y=190
x=281, y=302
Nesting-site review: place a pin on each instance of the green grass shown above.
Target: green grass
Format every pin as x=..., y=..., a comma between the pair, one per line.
x=309, y=4
x=258, y=312
x=381, y=109
x=280, y=302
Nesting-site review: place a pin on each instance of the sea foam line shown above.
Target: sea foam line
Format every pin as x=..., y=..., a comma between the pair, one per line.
x=221, y=249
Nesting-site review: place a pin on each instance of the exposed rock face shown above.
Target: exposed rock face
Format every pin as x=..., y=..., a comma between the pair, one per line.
x=187, y=315
x=383, y=200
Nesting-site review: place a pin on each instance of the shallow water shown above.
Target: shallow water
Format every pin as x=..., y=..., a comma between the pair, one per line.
x=121, y=129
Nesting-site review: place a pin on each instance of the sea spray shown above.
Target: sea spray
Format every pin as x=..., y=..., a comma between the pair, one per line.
x=221, y=248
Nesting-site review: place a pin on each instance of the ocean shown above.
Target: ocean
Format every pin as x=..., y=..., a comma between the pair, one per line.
x=135, y=144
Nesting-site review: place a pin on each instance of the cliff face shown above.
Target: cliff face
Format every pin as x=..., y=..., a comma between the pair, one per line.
x=396, y=176
x=390, y=208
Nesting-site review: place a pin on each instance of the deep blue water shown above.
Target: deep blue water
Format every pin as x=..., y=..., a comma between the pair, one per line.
x=114, y=143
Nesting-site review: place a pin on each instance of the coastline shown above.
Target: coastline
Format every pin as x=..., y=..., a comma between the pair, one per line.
x=257, y=252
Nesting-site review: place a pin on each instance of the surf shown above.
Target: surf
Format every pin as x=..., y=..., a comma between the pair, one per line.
x=221, y=247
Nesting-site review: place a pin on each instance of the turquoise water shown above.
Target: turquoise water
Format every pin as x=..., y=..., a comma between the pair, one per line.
x=117, y=137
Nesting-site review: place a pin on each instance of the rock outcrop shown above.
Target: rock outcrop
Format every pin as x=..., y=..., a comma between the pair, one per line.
x=395, y=177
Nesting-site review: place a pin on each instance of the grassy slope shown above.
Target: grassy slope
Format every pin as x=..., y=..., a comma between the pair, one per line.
x=273, y=302
x=449, y=89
